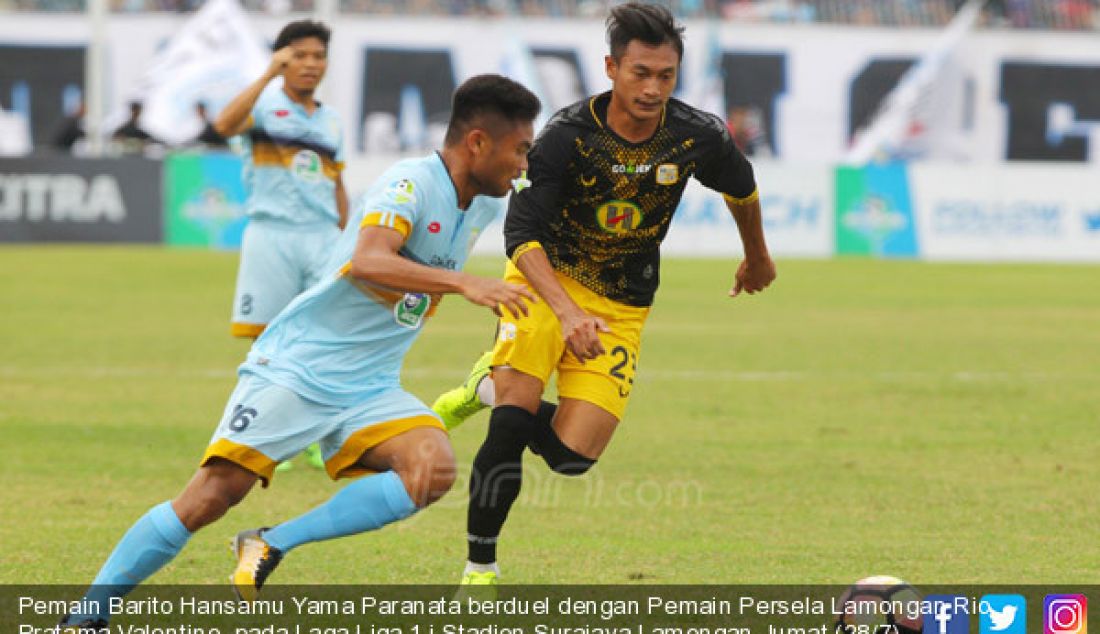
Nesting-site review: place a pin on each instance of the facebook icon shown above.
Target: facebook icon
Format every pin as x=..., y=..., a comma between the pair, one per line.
x=946, y=614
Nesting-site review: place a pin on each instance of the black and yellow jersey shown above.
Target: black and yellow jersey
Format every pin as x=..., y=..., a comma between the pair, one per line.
x=600, y=205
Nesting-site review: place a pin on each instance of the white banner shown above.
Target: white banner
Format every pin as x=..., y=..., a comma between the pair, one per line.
x=1014, y=212
x=1025, y=95
x=797, y=204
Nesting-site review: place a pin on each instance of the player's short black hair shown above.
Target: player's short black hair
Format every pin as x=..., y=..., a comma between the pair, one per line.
x=489, y=96
x=650, y=23
x=298, y=30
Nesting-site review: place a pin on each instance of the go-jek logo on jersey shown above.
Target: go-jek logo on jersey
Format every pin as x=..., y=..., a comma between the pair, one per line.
x=619, y=216
x=306, y=166
x=631, y=168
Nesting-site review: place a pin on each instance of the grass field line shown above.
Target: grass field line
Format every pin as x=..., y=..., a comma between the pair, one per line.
x=645, y=375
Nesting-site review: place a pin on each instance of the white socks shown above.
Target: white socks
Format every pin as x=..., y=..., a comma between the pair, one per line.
x=472, y=567
x=486, y=392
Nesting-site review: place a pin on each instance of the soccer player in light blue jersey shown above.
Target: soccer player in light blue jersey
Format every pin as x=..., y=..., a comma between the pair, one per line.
x=296, y=199
x=327, y=367
x=296, y=203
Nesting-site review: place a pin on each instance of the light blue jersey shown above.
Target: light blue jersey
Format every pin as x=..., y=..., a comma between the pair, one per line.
x=293, y=161
x=344, y=338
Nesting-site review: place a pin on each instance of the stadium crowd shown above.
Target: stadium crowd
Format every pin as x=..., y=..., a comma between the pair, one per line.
x=1039, y=14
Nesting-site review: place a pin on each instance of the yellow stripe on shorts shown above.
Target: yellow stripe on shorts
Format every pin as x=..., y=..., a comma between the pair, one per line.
x=242, y=455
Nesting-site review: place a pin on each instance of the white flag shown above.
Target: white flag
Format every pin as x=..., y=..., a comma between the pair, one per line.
x=921, y=117
x=211, y=59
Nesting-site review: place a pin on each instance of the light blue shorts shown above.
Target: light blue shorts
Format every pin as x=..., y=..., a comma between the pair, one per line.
x=265, y=423
x=278, y=261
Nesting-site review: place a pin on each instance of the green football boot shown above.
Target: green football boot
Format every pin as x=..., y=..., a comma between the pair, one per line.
x=455, y=406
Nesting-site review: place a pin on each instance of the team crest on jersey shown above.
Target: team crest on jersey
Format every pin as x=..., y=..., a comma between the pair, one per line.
x=306, y=166
x=403, y=191
x=668, y=173
x=619, y=216
x=409, y=312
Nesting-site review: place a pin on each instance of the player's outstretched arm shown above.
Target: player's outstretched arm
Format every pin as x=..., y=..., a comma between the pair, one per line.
x=757, y=270
x=580, y=330
x=233, y=119
x=376, y=260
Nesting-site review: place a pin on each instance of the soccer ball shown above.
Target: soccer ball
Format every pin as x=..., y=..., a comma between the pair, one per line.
x=879, y=605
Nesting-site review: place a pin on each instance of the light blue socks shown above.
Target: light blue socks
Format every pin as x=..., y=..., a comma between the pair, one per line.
x=151, y=542
x=363, y=505
x=157, y=537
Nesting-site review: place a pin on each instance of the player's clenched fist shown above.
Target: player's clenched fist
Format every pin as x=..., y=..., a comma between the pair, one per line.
x=753, y=275
x=279, y=61
x=494, y=293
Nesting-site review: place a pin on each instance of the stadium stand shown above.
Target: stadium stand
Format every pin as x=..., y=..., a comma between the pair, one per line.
x=1017, y=14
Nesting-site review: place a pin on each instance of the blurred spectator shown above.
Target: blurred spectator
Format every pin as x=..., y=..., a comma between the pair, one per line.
x=71, y=130
x=746, y=126
x=1074, y=14
x=209, y=137
x=130, y=138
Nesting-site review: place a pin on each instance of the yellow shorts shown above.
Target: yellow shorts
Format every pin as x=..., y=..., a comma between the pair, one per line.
x=534, y=345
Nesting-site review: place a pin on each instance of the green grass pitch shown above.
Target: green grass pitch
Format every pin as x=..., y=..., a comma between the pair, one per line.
x=937, y=422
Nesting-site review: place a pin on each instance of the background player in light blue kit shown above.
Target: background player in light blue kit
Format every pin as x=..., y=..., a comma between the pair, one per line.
x=297, y=203
x=327, y=368
x=296, y=199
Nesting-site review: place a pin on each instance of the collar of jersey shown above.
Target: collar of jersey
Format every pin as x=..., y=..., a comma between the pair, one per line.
x=439, y=164
x=299, y=108
x=599, y=104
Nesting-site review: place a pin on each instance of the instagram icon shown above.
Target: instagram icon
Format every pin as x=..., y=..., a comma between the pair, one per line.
x=1065, y=614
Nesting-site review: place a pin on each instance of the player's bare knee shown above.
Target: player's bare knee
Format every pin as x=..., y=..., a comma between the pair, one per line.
x=216, y=487
x=427, y=483
x=441, y=481
x=201, y=507
x=429, y=473
x=517, y=389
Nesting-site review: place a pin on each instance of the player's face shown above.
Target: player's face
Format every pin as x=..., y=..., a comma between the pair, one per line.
x=503, y=158
x=643, y=78
x=307, y=67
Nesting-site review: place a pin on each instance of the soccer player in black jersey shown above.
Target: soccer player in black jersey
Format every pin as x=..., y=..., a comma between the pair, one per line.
x=606, y=175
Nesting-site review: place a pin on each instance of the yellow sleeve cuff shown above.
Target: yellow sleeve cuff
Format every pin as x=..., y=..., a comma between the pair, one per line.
x=387, y=219
x=524, y=248
x=751, y=198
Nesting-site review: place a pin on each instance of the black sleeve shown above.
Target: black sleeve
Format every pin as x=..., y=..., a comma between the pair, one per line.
x=726, y=169
x=546, y=168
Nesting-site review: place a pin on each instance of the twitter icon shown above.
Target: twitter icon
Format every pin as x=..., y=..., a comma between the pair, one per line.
x=1002, y=614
